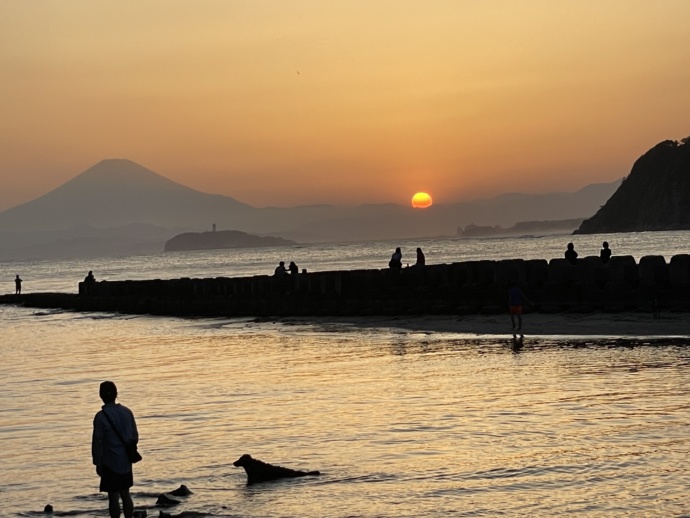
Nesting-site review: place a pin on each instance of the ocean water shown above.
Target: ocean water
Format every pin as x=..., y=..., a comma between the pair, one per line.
x=401, y=423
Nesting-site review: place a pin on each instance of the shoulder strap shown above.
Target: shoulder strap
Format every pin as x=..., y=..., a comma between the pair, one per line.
x=113, y=427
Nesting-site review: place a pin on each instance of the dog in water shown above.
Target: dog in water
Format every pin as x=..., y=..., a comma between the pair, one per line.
x=259, y=471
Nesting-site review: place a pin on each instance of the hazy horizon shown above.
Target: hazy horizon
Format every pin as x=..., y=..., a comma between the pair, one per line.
x=302, y=103
x=316, y=202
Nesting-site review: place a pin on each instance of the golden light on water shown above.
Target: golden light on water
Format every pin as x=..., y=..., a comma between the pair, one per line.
x=421, y=200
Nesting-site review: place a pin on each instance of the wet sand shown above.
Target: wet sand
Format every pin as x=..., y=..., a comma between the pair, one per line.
x=607, y=325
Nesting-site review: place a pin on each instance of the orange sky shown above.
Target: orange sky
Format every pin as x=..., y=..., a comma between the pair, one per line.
x=294, y=102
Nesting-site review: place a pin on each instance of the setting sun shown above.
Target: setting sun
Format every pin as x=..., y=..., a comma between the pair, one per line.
x=421, y=200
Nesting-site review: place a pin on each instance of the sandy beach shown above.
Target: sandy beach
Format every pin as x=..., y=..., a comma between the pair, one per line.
x=604, y=325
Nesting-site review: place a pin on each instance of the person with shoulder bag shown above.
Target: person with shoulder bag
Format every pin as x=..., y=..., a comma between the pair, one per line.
x=114, y=449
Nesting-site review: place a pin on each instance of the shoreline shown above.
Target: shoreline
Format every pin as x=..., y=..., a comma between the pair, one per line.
x=628, y=325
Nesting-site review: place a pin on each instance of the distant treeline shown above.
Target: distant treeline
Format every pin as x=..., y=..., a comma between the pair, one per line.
x=521, y=228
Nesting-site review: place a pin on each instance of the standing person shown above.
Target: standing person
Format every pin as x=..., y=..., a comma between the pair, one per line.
x=17, y=285
x=571, y=254
x=396, y=259
x=113, y=425
x=605, y=253
x=516, y=300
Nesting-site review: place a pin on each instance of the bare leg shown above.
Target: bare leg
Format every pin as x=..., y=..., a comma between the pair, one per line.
x=519, y=322
x=114, y=504
x=127, y=504
x=512, y=320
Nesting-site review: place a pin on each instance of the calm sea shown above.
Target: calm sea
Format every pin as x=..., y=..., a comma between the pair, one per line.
x=400, y=423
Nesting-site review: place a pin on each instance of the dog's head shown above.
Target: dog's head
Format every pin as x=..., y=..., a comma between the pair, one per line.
x=243, y=460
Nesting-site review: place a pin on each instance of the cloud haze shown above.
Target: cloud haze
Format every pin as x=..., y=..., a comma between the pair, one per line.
x=286, y=103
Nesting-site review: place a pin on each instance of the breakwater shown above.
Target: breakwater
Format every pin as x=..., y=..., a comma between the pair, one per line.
x=471, y=287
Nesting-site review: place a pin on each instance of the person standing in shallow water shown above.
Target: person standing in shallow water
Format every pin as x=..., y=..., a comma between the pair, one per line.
x=17, y=285
x=516, y=301
x=109, y=453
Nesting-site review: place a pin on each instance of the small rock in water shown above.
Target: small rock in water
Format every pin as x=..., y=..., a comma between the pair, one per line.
x=181, y=491
x=165, y=501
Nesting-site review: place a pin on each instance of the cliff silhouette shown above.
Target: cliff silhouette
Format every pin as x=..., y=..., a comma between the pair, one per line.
x=654, y=196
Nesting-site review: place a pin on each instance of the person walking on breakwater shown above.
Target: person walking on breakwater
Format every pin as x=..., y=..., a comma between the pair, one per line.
x=294, y=270
x=605, y=253
x=280, y=269
x=396, y=260
x=571, y=254
x=112, y=426
x=17, y=285
x=516, y=301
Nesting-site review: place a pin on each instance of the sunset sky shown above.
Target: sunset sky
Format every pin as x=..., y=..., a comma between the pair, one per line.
x=299, y=102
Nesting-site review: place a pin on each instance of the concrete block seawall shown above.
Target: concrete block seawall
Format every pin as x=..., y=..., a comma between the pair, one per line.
x=478, y=287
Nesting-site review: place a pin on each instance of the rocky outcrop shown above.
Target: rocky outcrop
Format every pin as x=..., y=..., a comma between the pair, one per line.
x=654, y=196
x=222, y=239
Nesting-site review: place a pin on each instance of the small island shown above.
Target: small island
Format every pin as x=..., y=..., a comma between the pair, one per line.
x=222, y=239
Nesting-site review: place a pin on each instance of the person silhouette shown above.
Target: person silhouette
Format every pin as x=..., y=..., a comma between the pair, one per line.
x=605, y=253
x=421, y=260
x=396, y=259
x=112, y=425
x=516, y=301
x=571, y=254
x=280, y=269
x=17, y=285
x=294, y=270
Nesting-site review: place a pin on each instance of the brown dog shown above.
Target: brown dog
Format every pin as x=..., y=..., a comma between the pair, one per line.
x=259, y=471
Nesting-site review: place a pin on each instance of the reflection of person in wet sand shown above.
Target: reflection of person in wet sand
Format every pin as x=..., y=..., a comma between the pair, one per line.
x=517, y=343
x=17, y=285
x=516, y=301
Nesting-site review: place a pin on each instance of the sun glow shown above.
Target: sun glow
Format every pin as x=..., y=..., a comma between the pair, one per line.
x=421, y=200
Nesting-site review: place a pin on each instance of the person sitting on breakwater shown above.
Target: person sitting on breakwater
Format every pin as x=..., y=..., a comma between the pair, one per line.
x=396, y=259
x=605, y=253
x=280, y=269
x=571, y=254
x=293, y=268
x=89, y=282
x=17, y=285
x=421, y=260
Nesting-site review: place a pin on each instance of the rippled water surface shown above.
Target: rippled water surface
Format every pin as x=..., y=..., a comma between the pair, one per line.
x=400, y=423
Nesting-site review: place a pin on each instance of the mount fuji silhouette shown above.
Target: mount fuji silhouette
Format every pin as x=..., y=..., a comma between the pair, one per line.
x=119, y=192
x=120, y=207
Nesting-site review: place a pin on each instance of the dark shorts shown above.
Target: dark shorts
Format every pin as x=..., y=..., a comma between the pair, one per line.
x=111, y=481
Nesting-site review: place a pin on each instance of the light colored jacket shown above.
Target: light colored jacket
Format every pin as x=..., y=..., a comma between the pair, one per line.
x=106, y=447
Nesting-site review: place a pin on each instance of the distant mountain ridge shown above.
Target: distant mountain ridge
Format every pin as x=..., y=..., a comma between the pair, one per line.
x=120, y=194
x=655, y=196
